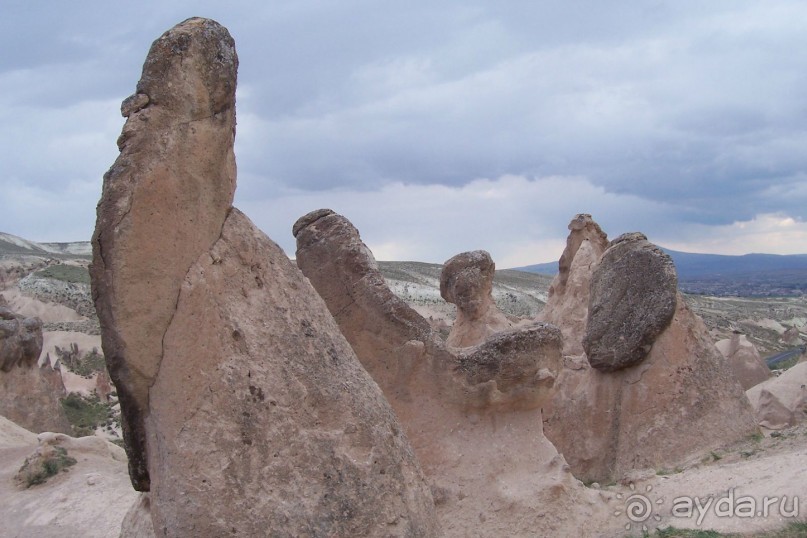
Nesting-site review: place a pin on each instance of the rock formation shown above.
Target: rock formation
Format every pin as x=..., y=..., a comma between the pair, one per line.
x=792, y=337
x=567, y=305
x=744, y=360
x=29, y=395
x=467, y=282
x=245, y=410
x=632, y=299
x=87, y=499
x=472, y=415
x=679, y=400
x=781, y=402
x=20, y=340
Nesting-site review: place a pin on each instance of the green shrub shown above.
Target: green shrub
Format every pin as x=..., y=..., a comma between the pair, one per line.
x=72, y=274
x=37, y=469
x=86, y=414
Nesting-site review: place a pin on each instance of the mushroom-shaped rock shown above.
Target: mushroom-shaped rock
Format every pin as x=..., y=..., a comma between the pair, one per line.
x=473, y=415
x=567, y=305
x=467, y=281
x=633, y=298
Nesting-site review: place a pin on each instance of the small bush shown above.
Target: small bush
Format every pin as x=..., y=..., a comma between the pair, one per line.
x=38, y=468
x=86, y=414
x=84, y=365
x=72, y=274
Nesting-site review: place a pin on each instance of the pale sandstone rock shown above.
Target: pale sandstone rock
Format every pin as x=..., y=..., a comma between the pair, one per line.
x=473, y=417
x=467, y=281
x=683, y=399
x=89, y=499
x=164, y=202
x=246, y=411
x=744, y=359
x=792, y=337
x=632, y=300
x=781, y=402
x=20, y=340
x=29, y=395
x=567, y=305
x=137, y=521
x=304, y=442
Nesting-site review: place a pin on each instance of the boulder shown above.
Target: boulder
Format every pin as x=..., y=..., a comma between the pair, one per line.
x=744, y=360
x=567, y=304
x=632, y=300
x=473, y=414
x=781, y=402
x=467, y=281
x=682, y=400
x=653, y=390
x=245, y=410
x=29, y=395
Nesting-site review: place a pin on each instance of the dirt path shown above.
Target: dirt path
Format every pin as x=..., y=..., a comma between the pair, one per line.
x=89, y=500
x=747, y=476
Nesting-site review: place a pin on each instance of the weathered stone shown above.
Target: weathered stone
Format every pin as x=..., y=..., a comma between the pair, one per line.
x=792, y=337
x=164, y=201
x=472, y=415
x=683, y=399
x=467, y=281
x=567, y=305
x=523, y=361
x=29, y=395
x=245, y=410
x=633, y=298
x=274, y=410
x=744, y=360
x=781, y=401
x=20, y=340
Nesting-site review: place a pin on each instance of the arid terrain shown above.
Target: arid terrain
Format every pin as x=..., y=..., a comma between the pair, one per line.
x=54, y=286
x=763, y=319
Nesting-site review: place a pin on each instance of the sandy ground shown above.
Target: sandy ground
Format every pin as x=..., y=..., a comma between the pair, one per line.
x=63, y=339
x=30, y=307
x=89, y=500
x=744, y=477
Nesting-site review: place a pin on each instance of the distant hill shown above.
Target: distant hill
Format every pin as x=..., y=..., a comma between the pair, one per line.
x=11, y=245
x=750, y=275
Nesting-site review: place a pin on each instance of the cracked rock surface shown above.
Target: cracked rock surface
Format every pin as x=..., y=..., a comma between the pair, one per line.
x=245, y=411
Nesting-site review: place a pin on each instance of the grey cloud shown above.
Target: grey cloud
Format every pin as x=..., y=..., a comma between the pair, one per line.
x=692, y=106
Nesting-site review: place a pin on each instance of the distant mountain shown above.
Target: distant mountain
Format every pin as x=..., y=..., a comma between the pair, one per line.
x=750, y=275
x=11, y=245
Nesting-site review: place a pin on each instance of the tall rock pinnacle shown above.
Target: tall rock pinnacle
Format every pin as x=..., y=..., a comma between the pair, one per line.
x=245, y=411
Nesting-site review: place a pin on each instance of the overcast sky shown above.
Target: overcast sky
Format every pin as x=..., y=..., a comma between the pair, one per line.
x=439, y=127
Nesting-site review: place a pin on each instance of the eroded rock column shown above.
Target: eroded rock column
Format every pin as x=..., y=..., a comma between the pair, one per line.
x=473, y=415
x=29, y=395
x=652, y=390
x=467, y=282
x=567, y=305
x=246, y=412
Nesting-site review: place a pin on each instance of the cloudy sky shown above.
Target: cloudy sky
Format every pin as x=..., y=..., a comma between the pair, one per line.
x=443, y=126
